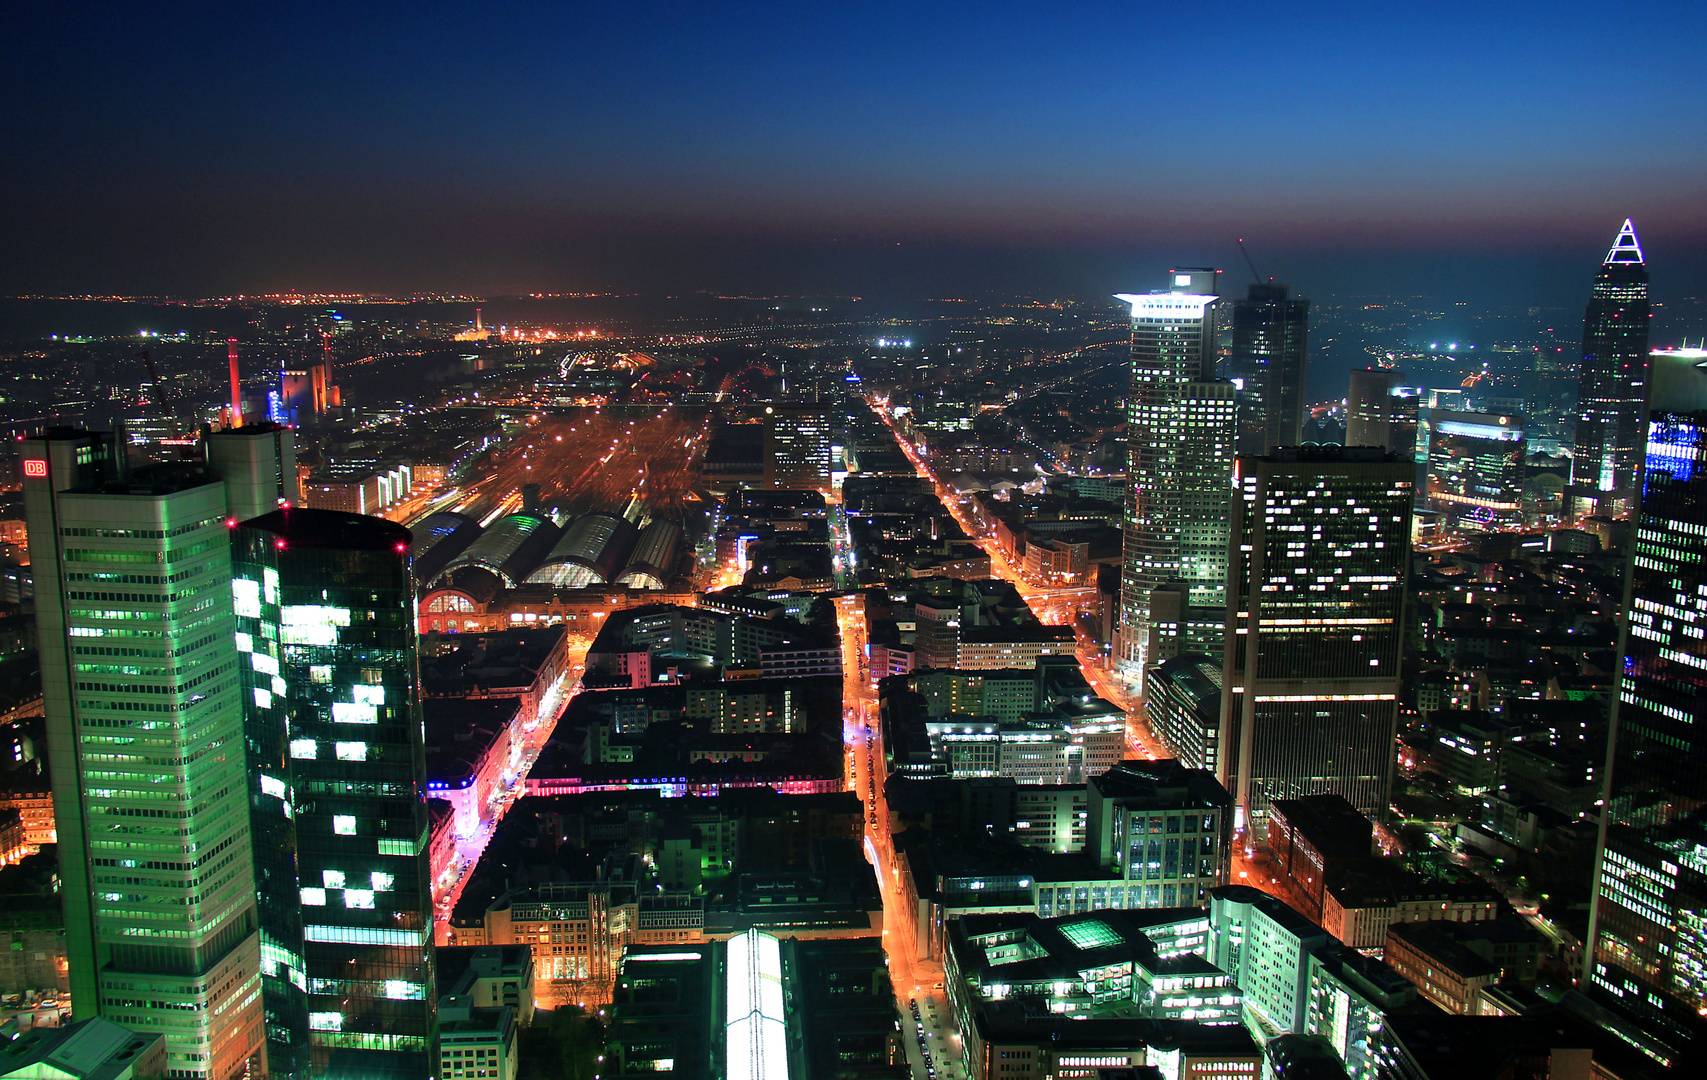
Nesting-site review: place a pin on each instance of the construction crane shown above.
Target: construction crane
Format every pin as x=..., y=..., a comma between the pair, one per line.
x=1256, y=277
x=153, y=378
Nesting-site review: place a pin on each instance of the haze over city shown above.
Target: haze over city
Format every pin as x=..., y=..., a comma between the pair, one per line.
x=205, y=149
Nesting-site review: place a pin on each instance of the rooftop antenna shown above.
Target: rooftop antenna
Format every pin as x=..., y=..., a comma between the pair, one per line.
x=1256, y=277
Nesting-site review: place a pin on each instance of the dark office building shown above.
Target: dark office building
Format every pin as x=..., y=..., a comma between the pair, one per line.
x=324, y=605
x=1185, y=708
x=1379, y=411
x=1613, y=382
x=1315, y=617
x=1267, y=366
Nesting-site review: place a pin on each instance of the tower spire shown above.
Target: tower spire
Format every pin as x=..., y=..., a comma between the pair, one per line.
x=1625, y=249
x=236, y=384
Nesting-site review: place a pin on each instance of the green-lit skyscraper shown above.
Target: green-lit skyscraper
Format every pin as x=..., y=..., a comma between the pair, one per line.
x=1180, y=436
x=325, y=604
x=145, y=728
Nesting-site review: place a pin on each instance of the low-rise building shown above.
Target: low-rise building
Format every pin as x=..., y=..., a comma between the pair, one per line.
x=1012, y=1039
x=93, y=1049
x=490, y=976
x=476, y=1042
x=1269, y=950
x=1165, y=825
x=1361, y=902
x=1130, y=964
x=1443, y=970
x=1311, y=838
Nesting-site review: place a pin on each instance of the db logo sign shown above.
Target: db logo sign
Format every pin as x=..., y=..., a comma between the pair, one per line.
x=35, y=467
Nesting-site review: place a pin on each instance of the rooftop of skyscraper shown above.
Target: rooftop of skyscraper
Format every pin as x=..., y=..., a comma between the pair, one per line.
x=310, y=528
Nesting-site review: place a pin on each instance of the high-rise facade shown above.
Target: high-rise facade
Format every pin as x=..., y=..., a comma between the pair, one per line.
x=1180, y=435
x=1380, y=411
x=1613, y=382
x=797, y=447
x=1476, y=469
x=1310, y=682
x=324, y=603
x=145, y=730
x=257, y=464
x=1267, y=366
x=1648, y=923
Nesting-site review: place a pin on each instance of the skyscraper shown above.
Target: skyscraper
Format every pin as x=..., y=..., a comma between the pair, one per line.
x=258, y=466
x=1648, y=924
x=1379, y=411
x=1180, y=434
x=1476, y=469
x=797, y=447
x=325, y=606
x=1613, y=382
x=1315, y=624
x=1267, y=365
x=145, y=730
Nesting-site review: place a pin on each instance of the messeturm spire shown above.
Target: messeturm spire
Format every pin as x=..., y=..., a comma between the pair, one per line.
x=1625, y=249
x=1613, y=386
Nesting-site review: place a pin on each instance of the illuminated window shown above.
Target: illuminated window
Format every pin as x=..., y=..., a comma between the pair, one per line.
x=358, y=898
x=246, y=597
x=333, y=879
x=351, y=751
x=326, y=1021
x=344, y=824
x=383, y=882
x=313, y=897
x=302, y=748
x=346, y=712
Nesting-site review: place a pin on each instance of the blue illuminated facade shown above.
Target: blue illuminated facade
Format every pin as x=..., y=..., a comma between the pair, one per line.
x=1648, y=930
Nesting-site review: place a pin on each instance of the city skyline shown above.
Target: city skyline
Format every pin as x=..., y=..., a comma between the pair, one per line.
x=893, y=542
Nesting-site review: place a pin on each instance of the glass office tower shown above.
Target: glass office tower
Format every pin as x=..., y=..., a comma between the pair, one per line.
x=1648, y=927
x=145, y=731
x=1613, y=382
x=1267, y=365
x=325, y=606
x=1180, y=436
x=1476, y=469
x=1315, y=626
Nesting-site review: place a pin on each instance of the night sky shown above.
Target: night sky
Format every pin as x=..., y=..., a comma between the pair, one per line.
x=929, y=148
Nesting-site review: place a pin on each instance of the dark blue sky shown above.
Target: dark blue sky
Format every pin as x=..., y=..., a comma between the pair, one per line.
x=562, y=146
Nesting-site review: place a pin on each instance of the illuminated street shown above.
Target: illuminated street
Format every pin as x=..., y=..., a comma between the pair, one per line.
x=447, y=888
x=1061, y=605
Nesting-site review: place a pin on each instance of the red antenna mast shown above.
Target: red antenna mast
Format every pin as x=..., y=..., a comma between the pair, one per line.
x=236, y=387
